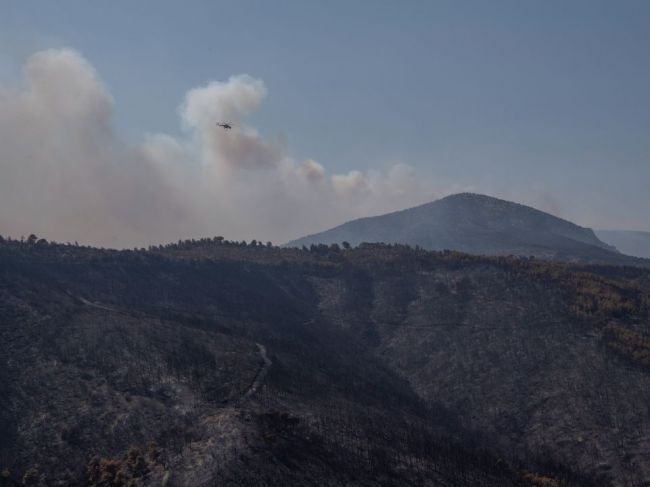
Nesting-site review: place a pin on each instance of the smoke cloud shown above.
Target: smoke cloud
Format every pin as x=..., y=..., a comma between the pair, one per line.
x=66, y=175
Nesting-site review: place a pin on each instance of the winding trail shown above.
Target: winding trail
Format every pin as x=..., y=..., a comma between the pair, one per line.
x=261, y=373
x=97, y=305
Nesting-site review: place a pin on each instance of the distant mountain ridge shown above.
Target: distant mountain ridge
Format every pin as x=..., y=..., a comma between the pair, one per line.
x=630, y=242
x=476, y=224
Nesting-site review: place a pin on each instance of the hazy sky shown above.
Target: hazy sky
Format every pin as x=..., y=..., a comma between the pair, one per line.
x=343, y=109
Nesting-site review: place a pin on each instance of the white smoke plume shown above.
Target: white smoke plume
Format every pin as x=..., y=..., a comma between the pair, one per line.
x=65, y=175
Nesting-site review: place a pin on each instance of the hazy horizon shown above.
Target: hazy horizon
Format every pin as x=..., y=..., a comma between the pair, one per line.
x=108, y=115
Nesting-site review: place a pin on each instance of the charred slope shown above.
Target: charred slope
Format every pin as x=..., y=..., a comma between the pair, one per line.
x=480, y=225
x=383, y=366
x=546, y=361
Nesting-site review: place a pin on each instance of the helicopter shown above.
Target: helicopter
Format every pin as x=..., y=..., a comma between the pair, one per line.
x=225, y=125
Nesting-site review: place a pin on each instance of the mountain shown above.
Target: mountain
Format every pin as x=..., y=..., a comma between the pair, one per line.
x=215, y=363
x=476, y=224
x=629, y=242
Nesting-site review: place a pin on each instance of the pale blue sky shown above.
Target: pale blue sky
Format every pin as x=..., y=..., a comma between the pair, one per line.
x=547, y=102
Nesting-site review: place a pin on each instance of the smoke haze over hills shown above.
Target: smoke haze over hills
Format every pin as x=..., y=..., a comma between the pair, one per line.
x=67, y=175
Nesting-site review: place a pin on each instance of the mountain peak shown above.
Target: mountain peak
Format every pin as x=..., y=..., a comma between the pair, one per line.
x=477, y=224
